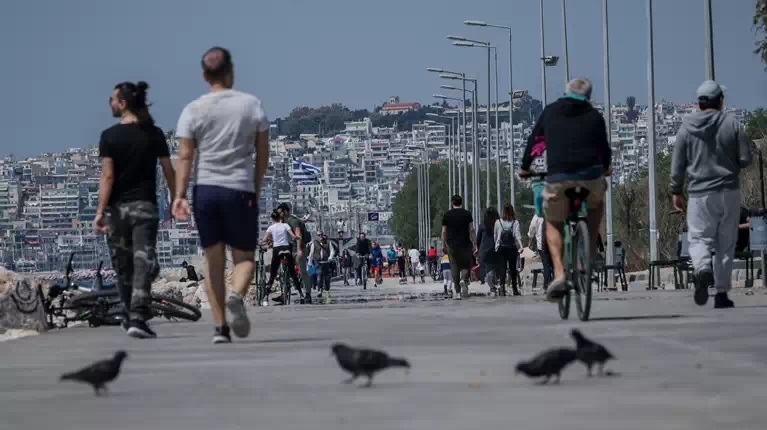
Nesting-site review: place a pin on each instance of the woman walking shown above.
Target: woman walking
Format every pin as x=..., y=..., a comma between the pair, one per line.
x=508, y=243
x=488, y=257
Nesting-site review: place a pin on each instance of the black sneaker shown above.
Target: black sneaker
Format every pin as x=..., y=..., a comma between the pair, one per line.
x=140, y=330
x=721, y=301
x=221, y=335
x=703, y=280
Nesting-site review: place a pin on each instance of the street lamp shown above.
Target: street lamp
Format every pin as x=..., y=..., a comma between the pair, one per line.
x=462, y=145
x=497, y=125
x=510, y=142
x=450, y=139
x=465, y=42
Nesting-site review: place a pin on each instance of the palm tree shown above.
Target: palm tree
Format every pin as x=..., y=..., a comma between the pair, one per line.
x=760, y=25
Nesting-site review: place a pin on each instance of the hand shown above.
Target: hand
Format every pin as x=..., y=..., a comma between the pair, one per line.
x=522, y=173
x=181, y=209
x=475, y=250
x=100, y=224
x=300, y=253
x=679, y=203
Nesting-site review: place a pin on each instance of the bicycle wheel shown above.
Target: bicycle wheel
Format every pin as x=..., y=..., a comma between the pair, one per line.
x=285, y=284
x=564, y=306
x=582, y=270
x=260, y=285
x=364, y=276
x=170, y=308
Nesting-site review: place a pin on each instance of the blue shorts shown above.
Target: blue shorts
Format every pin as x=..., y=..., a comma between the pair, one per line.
x=538, y=198
x=226, y=216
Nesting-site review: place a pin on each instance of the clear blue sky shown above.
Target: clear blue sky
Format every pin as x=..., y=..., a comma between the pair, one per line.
x=62, y=58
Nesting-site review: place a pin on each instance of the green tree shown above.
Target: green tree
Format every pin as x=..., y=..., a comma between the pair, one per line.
x=760, y=25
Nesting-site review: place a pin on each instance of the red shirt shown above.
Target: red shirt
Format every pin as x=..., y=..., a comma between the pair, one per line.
x=432, y=252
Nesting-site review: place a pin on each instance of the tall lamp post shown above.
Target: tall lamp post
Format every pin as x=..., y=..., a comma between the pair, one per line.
x=608, y=122
x=464, y=42
x=510, y=143
x=463, y=147
x=651, y=132
x=451, y=177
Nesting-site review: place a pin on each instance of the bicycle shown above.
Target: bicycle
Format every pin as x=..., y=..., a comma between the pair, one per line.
x=261, y=293
x=576, y=255
x=285, y=279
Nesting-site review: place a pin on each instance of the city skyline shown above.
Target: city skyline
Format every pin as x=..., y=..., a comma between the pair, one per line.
x=311, y=54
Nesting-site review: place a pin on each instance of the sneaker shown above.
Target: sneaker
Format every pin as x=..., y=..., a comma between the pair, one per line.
x=493, y=291
x=140, y=330
x=703, y=280
x=721, y=301
x=457, y=296
x=265, y=302
x=556, y=290
x=464, y=289
x=308, y=299
x=328, y=299
x=221, y=335
x=240, y=321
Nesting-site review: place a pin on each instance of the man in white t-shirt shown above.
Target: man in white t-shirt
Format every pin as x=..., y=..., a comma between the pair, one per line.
x=223, y=129
x=414, y=257
x=536, y=231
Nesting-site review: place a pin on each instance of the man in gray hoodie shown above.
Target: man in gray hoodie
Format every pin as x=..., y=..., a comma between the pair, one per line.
x=711, y=148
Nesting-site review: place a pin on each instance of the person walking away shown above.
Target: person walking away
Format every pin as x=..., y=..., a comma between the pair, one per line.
x=300, y=247
x=391, y=257
x=487, y=256
x=431, y=257
x=508, y=244
x=363, y=248
x=320, y=254
x=447, y=279
x=279, y=235
x=223, y=129
x=459, y=244
x=376, y=263
x=580, y=156
x=711, y=149
x=127, y=208
x=346, y=266
x=401, y=259
x=414, y=256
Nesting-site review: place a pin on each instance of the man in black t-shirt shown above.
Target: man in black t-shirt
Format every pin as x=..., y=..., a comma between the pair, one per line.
x=127, y=210
x=459, y=242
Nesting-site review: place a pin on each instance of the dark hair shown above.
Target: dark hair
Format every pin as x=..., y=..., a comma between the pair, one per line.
x=284, y=207
x=488, y=222
x=508, y=212
x=134, y=96
x=705, y=103
x=456, y=200
x=276, y=215
x=217, y=64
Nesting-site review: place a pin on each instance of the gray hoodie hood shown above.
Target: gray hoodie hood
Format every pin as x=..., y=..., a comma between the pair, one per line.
x=710, y=150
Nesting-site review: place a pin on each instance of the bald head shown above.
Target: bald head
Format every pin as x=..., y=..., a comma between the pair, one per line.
x=217, y=66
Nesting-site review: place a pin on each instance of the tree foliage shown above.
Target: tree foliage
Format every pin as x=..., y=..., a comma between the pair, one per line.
x=760, y=25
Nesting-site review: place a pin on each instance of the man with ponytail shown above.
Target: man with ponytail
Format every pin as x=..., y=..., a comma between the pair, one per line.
x=127, y=210
x=226, y=130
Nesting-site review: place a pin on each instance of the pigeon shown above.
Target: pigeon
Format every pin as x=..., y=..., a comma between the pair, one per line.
x=98, y=373
x=589, y=352
x=549, y=363
x=364, y=362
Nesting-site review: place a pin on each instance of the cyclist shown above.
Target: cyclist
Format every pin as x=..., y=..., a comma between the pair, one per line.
x=431, y=257
x=577, y=155
x=346, y=266
x=278, y=235
x=300, y=246
x=376, y=263
x=321, y=252
x=363, y=248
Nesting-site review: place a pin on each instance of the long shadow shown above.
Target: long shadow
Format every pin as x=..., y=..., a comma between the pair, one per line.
x=293, y=340
x=641, y=317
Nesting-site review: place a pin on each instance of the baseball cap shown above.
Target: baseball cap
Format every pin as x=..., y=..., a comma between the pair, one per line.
x=710, y=90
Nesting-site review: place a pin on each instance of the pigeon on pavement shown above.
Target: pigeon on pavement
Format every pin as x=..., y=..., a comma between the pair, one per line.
x=99, y=373
x=547, y=364
x=365, y=362
x=589, y=352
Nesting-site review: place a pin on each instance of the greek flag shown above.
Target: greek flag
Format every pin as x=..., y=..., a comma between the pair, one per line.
x=305, y=173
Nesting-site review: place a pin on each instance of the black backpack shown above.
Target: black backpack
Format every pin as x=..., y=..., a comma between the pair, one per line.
x=507, y=238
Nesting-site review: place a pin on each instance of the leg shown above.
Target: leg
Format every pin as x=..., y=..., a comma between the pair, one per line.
x=726, y=239
x=545, y=381
x=601, y=369
x=274, y=267
x=588, y=367
x=215, y=263
x=121, y=252
x=145, y=223
x=305, y=280
x=513, y=272
x=557, y=380
x=351, y=379
x=244, y=267
x=701, y=225
x=370, y=381
x=555, y=243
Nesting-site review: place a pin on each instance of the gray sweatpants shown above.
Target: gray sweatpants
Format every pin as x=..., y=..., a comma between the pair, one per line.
x=712, y=222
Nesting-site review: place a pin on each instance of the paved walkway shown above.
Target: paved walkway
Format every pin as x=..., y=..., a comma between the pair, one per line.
x=681, y=367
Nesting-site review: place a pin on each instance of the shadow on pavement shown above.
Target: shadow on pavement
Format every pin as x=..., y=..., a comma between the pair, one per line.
x=641, y=317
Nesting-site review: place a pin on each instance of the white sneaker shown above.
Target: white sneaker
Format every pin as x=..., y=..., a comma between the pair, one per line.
x=265, y=302
x=240, y=322
x=457, y=296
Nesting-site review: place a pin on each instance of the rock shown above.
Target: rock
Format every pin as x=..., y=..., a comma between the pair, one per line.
x=20, y=304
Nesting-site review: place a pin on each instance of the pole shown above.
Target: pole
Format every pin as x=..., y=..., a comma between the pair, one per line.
x=543, y=63
x=465, y=148
x=497, y=139
x=651, y=132
x=449, y=158
x=710, y=71
x=608, y=122
x=510, y=136
x=418, y=176
x=564, y=42
x=489, y=130
x=475, y=161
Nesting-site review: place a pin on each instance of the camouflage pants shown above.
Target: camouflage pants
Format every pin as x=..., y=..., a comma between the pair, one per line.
x=132, y=240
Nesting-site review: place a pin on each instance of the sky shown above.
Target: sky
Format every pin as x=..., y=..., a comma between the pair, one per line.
x=61, y=59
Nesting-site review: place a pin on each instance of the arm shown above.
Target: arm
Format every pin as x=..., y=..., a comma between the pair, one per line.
x=311, y=252
x=443, y=236
x=332, y=251
x=517, y=234
x=497, y=230
x=538, y=130
x=472, y=236
x=299, y=241
x=262, y=159
x=679, y=163
x=268, y=237
x=106, y=182
x=168, y=173
x=531, y=234
x=186, y=148
x=602, y=140
x=293, y=235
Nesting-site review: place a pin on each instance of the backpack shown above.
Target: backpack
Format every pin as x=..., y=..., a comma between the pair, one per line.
x=306, y=237
x=507, y=238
